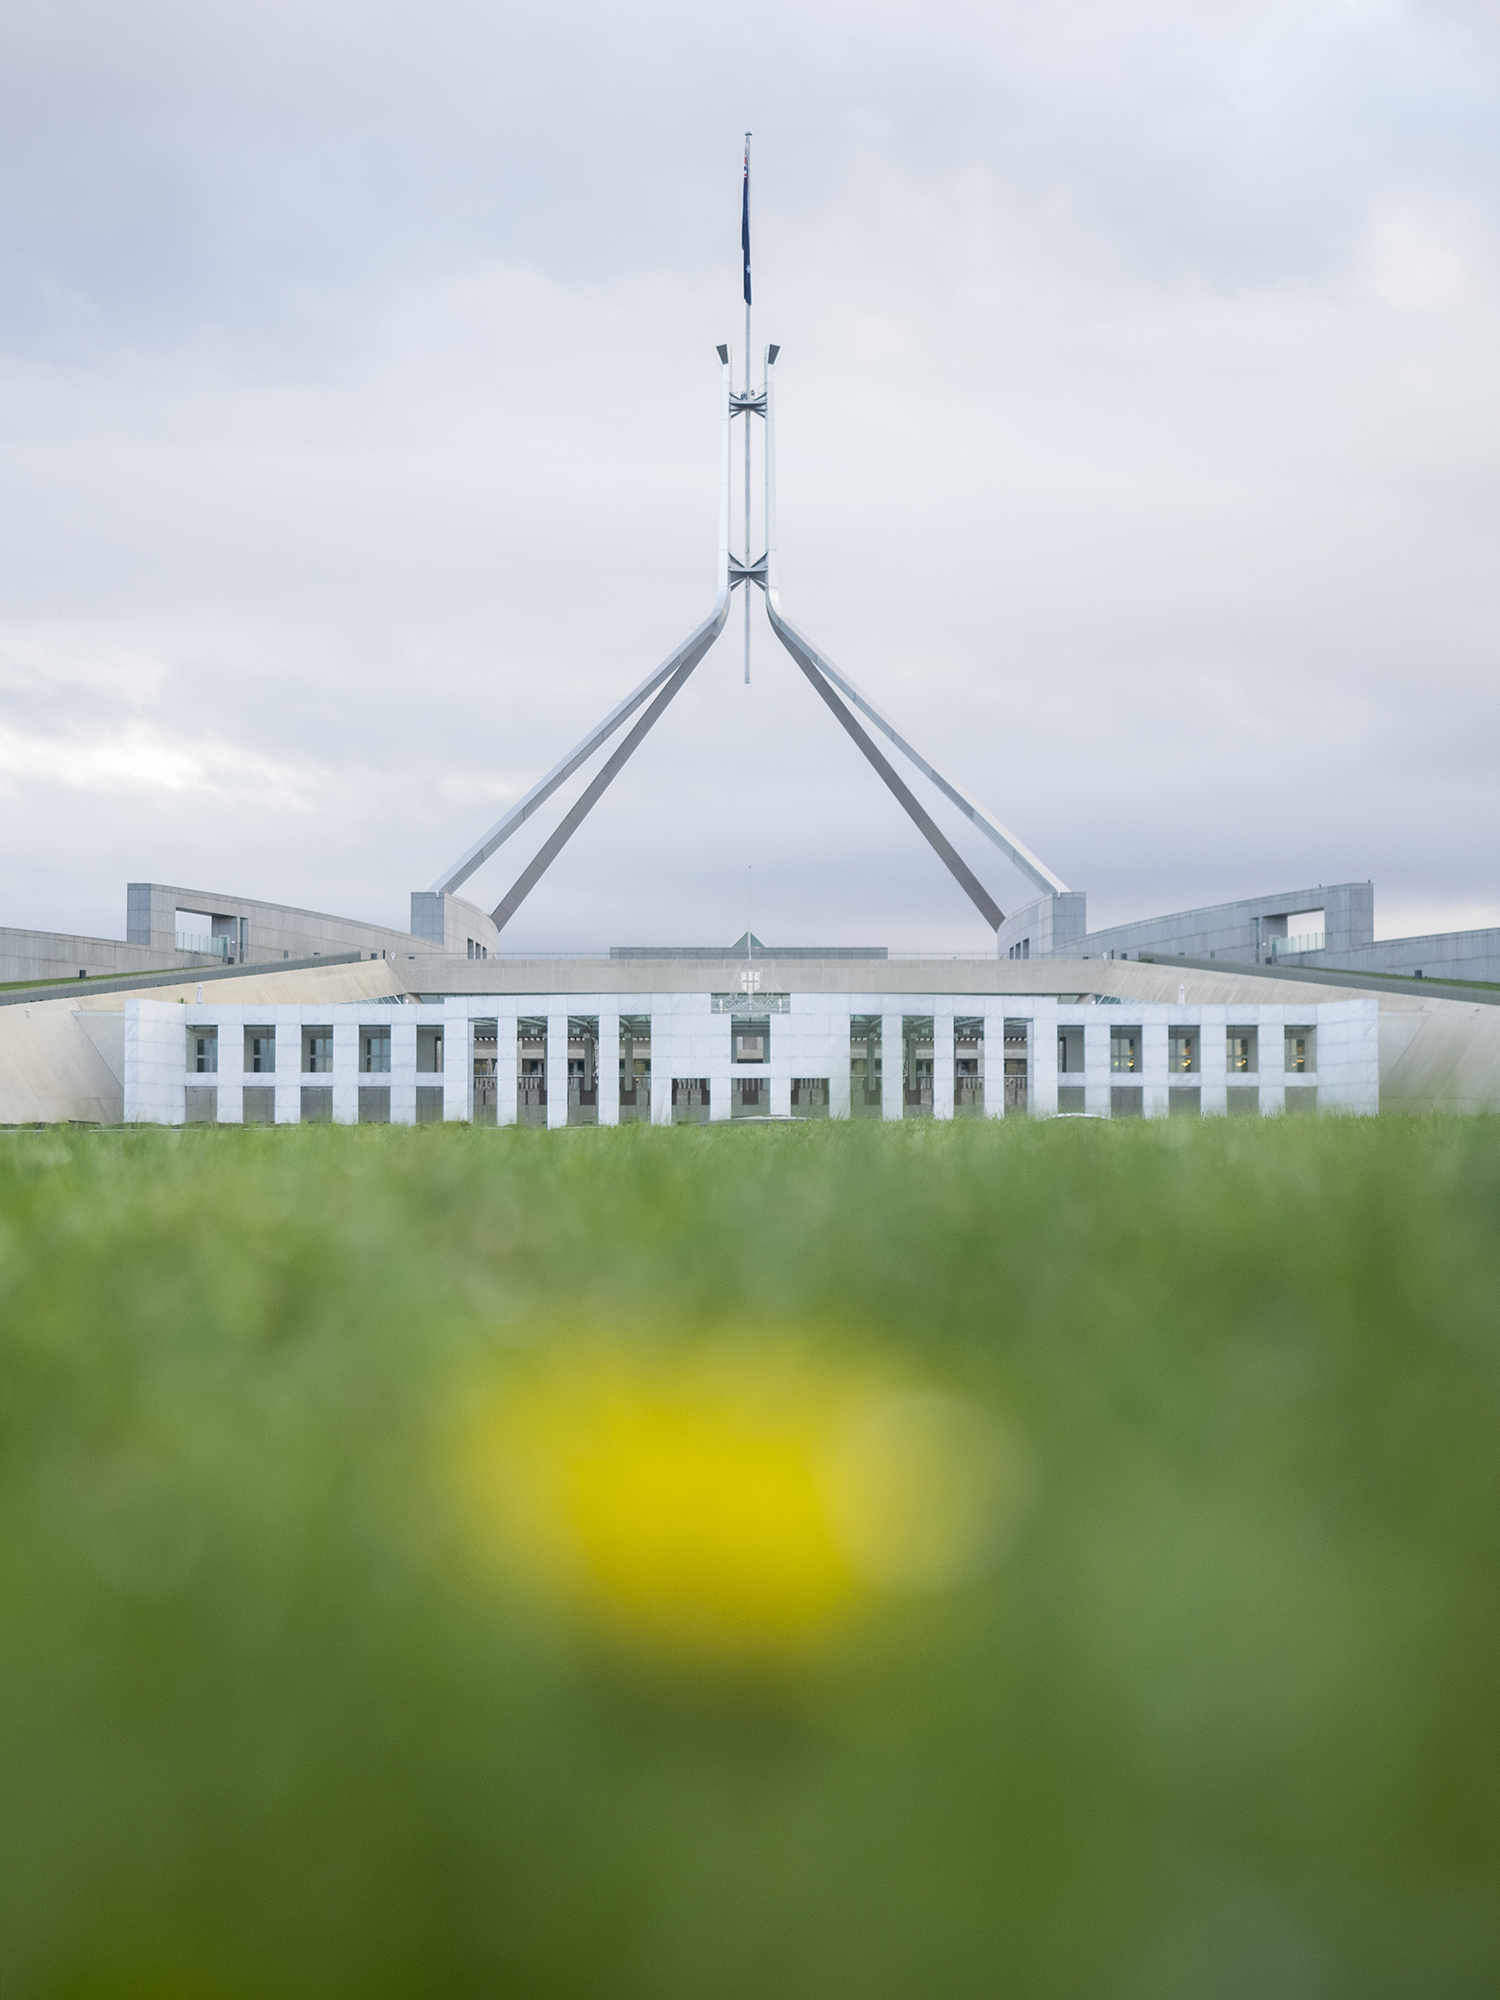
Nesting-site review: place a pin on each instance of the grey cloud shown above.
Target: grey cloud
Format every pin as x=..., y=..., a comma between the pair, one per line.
x=1140, y=443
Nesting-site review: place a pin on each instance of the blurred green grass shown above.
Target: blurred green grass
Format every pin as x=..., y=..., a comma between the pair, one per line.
x=1225, y=1722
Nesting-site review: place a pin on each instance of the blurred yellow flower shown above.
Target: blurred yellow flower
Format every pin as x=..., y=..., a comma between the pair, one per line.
x=729, y=1502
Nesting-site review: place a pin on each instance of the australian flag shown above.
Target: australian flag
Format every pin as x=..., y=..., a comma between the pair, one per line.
x=745, y=220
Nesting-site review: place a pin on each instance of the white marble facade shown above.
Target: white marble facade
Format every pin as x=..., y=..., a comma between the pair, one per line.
x=689, y=1039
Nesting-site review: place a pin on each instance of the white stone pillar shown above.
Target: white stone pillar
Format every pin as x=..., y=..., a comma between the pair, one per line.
x=557, y=1071
x=345, y=1077
x=942, y=1060
x=1348, y=1070
x=707, y=1050
x=231, y=1043
x=458, y=1063
x=507, y=1065
x=892, y=1067
x=781, y=1096
x=287, y=1021
x=994, y=1059
x=1270, y=1038
x=1154, y=1063
x=839, y=1010
x=609, y=1067
x=403, y=1076
x=1213, y=1061
x=663, y=1058
x=155, y=1063
x=1096, y=1075
x=1041, y=1060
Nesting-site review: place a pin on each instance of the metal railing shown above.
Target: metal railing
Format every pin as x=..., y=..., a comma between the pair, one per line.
x=1288, y=947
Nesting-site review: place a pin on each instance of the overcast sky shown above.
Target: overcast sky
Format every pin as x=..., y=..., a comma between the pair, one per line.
x=1139, y=449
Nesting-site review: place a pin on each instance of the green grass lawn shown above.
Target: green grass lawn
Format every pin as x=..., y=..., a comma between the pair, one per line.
x=1212, y=1711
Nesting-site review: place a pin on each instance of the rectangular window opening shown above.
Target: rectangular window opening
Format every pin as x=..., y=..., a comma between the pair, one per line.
x=1124, y=1051
x=260, y=1051
x=1183, y=1051
x=810, y=1097
x=583, y=1069
x=750, y=1038
x=531, y=1070
x=1017, y=1068
x=1301, y=1051
x=635, y=1069
x=865, y=1078
x=968, y=1065
x=690, y=1100
x=917, y=1045
x=485, y=1082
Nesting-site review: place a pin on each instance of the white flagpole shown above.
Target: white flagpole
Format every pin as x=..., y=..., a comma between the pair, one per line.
x=746, y=587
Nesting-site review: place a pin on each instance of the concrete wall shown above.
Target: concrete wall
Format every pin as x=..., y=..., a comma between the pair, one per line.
x=1440, y=955
x=452, y=924
x=57, y=955
x=1235, y=930
x=1439, y=1056
x=1052, y=925
x=274, y=930
x=54, y=1071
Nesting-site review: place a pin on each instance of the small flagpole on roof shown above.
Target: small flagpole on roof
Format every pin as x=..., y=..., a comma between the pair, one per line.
x=745, y=246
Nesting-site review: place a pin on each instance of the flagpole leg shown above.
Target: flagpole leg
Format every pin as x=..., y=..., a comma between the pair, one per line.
x=747, y=497
x=746, y=248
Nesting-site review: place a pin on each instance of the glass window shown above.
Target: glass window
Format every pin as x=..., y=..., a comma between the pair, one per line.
x=751, y=1039
x=377, y=1051
x=1124, y=1049
x=1300, y=1051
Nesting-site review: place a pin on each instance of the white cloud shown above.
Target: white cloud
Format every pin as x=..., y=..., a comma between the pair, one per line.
x=1417, y=258
x=143, y=761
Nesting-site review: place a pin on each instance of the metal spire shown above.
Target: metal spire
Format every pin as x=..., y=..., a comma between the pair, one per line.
x=834, y=688
x=745, y=246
